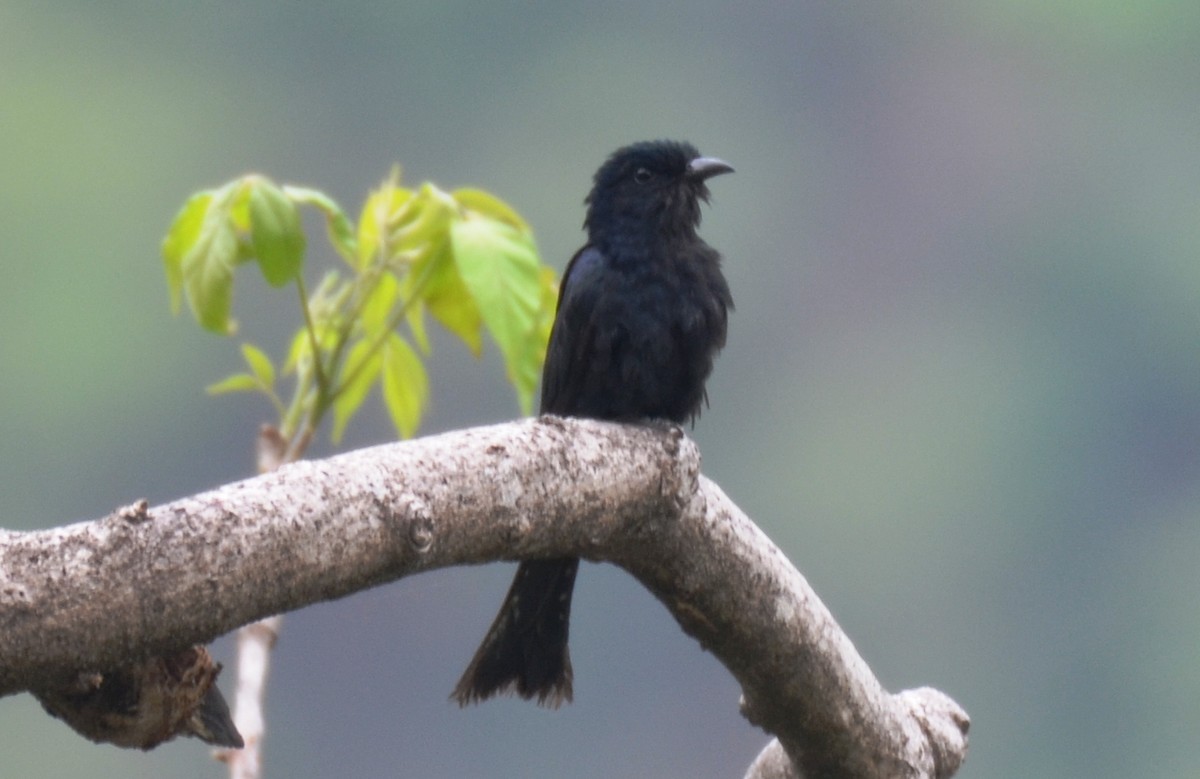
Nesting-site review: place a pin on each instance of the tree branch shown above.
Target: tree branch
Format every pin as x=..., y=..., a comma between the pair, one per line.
x=141, y=581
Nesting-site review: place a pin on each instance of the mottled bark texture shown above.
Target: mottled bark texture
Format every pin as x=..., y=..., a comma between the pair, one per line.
x=146, y=580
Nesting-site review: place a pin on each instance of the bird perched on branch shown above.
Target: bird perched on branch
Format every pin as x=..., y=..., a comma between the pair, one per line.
x=641, y=314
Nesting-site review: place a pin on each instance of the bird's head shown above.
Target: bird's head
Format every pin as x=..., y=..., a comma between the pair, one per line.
x=650, y=190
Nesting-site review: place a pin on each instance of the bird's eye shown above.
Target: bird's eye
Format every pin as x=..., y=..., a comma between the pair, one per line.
x=642, y=175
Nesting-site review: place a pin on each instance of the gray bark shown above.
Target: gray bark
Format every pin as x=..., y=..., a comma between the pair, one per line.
x=144, y=580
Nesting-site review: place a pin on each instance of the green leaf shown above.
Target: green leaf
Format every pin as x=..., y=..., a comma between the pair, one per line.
x=340, y=230
x=362, y=367
x=181, y=237
x=447, y=298
x=327, y=300
x=275, y=232
x=415, y=316
x=405, y=385
x=384, y=210
x=378, y=308
x=208, y=267
x=525, y=369
x=235, y=200
x=532, y=363
x=425, y=223
x=499, y=268
x=487, y=204
x=238, y=382
x=260, y=365
x=300, y=352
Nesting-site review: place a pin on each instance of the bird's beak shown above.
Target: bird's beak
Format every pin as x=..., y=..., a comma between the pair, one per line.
x=703, y=168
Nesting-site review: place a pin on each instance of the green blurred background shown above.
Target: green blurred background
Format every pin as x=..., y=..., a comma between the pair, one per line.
x=962, y=387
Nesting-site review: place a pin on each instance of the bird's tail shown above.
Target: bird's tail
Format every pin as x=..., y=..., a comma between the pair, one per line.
x=525, y=651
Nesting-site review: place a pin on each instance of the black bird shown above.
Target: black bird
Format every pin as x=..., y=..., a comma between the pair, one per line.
x=641, y=314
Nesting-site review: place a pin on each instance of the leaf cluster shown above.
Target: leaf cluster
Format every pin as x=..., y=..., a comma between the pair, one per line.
x=464, y=259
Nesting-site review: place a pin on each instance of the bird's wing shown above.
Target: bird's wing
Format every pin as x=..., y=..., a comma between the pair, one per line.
x=570, y=355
